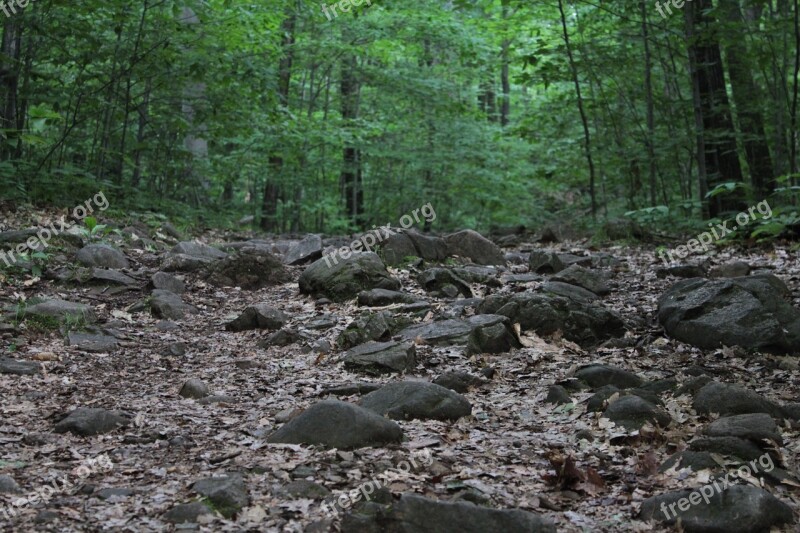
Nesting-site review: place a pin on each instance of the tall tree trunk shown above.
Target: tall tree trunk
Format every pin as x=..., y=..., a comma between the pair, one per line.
x=747, y=97
x=273, y=190
x=351, y=178
x=648, y=87
x=719, y=136
x=9, y=79
x=581, y=110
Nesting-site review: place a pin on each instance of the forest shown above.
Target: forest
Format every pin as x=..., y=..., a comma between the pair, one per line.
x=436, y=266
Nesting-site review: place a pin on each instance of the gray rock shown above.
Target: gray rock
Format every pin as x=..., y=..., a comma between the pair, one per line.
x=752, y=312
x=753, y=426
x=397, y=248
x=8, y=485
x=106, y=494
x=449, y=332
x=92, y=343
x=61, y=310
x=348, y=389
x=412, y=514
x=174, y=349
x=404, y=400
x=283, y=337
x=336, y=424
x=86, y=422
x=573, y=292
x=302, y=488
x=168, y=282
x=165, y=304
x=474, y=246
x=195, y=389
x=736, y=269
x=344, y=279
x=597, y=375
x=368, y=327
x=198, y=250
x=494, y=338
x=585, y=324
x=184, y=263
x=187, y=513
x=110, y=277
x=732, y=446
x=545, y=263
x=382, y=357
x=228, y=494
x=259, y=316
x=102, y=256
x=18, y=368
x=309, y=249
x=739, y=509
x=682, y=271
x=249, y=268
x=437, y=279
x=695, y=460
x=460, y=382
x=591, y=280
x=382, y=297
x=730, y=400
x=631, y=412
x=558, y=395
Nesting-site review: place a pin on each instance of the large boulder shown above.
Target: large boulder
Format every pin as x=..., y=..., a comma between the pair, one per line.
x=60, y=310
x=752, y=312
x=101, y=256
x=341, y=279
x=413, y=513
x=190, y=256
x=168, y=305
x=408, y=243
x=727, y=400
x=250, y=268
x=585, y=324
x=474, y=246
x=337, y=424
x=309, y=249
x=404, y=400
x=382, y=357
x=88, y=421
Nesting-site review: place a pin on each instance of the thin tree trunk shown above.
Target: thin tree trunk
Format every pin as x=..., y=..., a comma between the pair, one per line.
x=648, y=87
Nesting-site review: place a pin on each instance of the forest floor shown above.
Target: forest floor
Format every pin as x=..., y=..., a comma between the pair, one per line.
x=504, y=455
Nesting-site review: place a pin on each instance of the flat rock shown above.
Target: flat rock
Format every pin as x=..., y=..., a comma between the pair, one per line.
x=383, y=297
x=474, y=246
x=726, y=400
x=382, y=357
x=168, y=305
x=336, y=424
x=414, y=513
x=60, y=310
x=197, y=250
x=19, y=368
x=102, y=256
x=567, y=290
x=168, y=282
x=309, y=249
x=450, y=332
x=752, y=426
x=228, y=494
x=597, y=375
x=632, y=412
x=405, y=400
x=187, y=513
x=92, y=343
x=88, y=421
x=259, y=316
x=460, y=382
x=344, y=279
x=593, y=281
x=752, y=312
x=739, y=509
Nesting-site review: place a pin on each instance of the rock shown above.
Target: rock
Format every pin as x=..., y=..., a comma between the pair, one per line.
x=751, y=312
x=739, y=509
x=383, y=297
x=437, y=280
x=585, y=324
x=753, y=426
x=596, y=375
x=368, y=327
x=87, y=422
x=283, y=337
x=228, y=494
x=545, y=263
x=736, y=269
x=632, y=412
x=309, y=249
x=8, y=485
x=727, y=400
x=601, y=395
x=573, y=292
x=322, y=322
x=198, y=250
x=195, y=389
x=168, y=282
x=166, y=325
x=591, y=280
x=101, y=256
x=106, y=494
x=336, y=424
x=302, y=488
x=174, y=349
x=187, y=513
x=405, y=400
x=18, y=368
x=494, y=338
x=474, y=246
x=165, y=304
x=691, y=386
x=449, y=332
x=690, y=459
x=61, y=311
x=92, y=343
x=405, y=244
x=382, y=357
x=660, y=386
x=184, y=263
x=346, y=278
x=259, y=316
x=460, y=382
x=558, y=395
x=735, y=447
x=414, y=513
x=249, y=268
x=101, y=276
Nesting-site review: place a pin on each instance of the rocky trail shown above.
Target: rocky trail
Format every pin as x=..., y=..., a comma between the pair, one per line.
x=229, y=383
